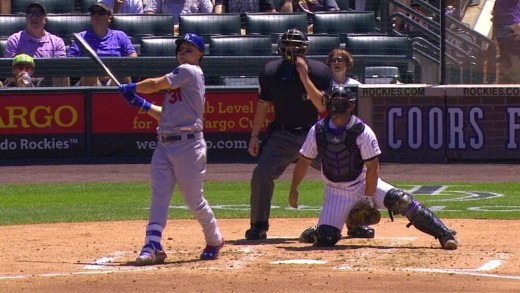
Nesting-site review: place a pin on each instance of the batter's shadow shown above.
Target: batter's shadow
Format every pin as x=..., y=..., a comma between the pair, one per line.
x=177, y=262
x=344, y=247
x=262, y=241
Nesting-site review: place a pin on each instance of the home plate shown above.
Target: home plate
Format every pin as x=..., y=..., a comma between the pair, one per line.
x=299, y=262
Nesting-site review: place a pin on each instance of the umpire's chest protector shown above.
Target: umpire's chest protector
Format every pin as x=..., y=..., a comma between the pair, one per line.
x=340, y=156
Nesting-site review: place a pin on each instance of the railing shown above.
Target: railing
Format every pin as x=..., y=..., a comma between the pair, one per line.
x=477, y=53
x=214, y=67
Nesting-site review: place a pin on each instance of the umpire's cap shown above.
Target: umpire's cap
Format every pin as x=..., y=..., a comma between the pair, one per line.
x=193, y=39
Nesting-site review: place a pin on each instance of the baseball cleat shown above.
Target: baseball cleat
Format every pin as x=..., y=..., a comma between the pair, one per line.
x=361, y=232
x=450, y=242
x=150, y=256
x=211, y=252
x=256, y=234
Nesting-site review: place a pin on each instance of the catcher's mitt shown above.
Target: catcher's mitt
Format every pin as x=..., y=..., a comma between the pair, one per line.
x=363, y=214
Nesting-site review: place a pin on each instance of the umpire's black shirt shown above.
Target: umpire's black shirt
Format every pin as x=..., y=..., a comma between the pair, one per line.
x=281, y=85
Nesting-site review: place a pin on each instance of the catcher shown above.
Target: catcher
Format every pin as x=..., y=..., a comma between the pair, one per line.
x=349, y=152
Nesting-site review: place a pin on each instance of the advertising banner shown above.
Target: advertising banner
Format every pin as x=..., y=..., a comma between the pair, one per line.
x=121, y=130
x=42, y=125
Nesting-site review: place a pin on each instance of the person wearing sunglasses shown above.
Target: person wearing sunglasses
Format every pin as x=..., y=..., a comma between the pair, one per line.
x=104, y=41
x=339, y=61
x=36, y=42
x=23, y=70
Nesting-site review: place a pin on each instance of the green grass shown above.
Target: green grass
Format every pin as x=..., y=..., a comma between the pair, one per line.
x=80, y=202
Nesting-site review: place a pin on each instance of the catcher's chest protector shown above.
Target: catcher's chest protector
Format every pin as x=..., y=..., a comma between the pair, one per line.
x=340, y=156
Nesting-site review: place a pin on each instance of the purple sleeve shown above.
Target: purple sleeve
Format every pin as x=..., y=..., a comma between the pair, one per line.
x=59, y=46
x=74, y=50
x=126, y=45
x=12, y=44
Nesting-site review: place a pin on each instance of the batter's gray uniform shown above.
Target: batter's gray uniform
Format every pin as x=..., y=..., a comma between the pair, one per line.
x=180, y=156
x=340, y=197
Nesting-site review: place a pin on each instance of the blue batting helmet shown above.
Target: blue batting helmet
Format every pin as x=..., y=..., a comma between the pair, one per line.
x=192, y=38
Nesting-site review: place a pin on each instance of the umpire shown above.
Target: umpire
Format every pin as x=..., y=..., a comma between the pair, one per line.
x=295, y=113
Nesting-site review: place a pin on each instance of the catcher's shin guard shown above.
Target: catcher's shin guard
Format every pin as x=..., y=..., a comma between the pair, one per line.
x=400, y=202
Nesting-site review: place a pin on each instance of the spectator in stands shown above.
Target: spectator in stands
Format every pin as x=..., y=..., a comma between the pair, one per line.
x=125, y=6
x=506, y=30
x=237, y=6
x=35, y=41
x=178, y=7
x=104, y=41
x=339, y=61
x=5, y=6
x=22, y=69
x=309, y=7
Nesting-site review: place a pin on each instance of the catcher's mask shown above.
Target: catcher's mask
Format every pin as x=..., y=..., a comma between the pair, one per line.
x=339, y=98
x=293, y=43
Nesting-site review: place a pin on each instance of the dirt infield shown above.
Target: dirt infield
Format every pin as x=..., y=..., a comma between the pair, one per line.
x=97, y=257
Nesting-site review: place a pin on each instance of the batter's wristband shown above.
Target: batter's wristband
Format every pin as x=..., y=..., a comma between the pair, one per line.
x=146, y=106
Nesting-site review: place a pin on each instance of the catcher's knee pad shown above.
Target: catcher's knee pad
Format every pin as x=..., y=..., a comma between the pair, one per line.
x=397, y=202
x=327, y=235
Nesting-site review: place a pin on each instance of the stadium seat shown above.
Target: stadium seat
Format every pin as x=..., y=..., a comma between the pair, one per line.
x=158, y=46
x=344, y=22
x=382, y=75
x=274, y=24
x=52, y=6
x=64, y=25
x=379, y=45
x=249, y=45
x=397, y=49
x=10, y=24
x=207, y=24
x=137, y=26
x=3, y=44
x=85, y=4
x=322, y=44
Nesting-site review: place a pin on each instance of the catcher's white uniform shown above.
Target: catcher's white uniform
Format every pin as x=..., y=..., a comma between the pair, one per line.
x=340, y=197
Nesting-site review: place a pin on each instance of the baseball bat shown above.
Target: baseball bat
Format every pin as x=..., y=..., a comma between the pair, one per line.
x=90, y=52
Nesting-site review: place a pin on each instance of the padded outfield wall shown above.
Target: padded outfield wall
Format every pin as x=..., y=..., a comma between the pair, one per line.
x=414, y=123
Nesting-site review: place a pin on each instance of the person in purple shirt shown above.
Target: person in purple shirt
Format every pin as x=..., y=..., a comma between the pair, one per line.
x=506, y=30
x=177, y=8
x=104, y=41
x=35, y=41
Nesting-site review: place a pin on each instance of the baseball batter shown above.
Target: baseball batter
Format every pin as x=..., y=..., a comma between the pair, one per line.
x=180, y=156
x=349, y=152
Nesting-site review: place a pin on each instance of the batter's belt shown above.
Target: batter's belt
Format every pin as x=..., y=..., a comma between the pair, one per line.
x=177, y=137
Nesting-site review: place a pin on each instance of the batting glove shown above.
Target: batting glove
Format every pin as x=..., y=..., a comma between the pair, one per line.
x=127, y=88
x=135, y=100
